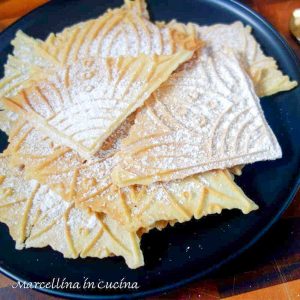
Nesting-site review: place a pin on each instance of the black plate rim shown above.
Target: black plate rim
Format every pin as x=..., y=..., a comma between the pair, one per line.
x=226, y=260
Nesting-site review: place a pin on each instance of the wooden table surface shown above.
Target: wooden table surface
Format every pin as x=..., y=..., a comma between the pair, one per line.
x=273, y=274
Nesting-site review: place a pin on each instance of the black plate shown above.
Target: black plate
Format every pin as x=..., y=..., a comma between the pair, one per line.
x=188, y=251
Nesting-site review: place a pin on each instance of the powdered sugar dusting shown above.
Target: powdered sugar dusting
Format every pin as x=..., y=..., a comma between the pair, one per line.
x=77, y=116
x=205, y=117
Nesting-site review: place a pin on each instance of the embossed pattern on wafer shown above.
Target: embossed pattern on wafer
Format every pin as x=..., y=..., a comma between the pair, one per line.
x=29, y=55
x=262, y=69
x=137, y=207
x=80, y=105
x=118, y=32
x=206, y=116
x=37, y=217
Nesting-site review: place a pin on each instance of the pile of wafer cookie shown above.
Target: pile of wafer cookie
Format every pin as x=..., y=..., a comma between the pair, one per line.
x=121, y=124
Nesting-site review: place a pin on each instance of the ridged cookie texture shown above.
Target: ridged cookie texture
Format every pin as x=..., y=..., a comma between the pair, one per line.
x=138, y=208
x=81, y=104
x=206, y=116
x=30, y=55
x=267, y=78
x=119, y=32
x=37, y=217
x=124, y=31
